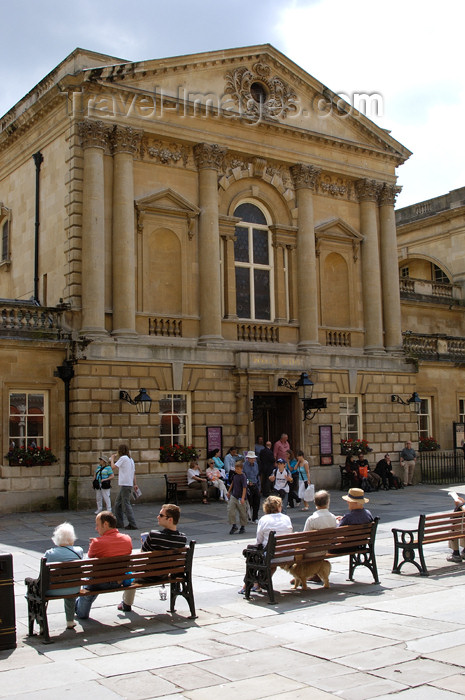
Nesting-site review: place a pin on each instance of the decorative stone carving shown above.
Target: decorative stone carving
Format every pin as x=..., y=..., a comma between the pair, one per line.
x=304, y=176
x=260, y=94
x=165, y=153
x=93, y=133
x=125, y=139
x=208, y=155
x=368, y=190
x=388, y=194
x=259, y=165
x=335, y=189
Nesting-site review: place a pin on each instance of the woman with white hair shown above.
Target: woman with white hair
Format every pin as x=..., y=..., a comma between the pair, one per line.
x=64, y=538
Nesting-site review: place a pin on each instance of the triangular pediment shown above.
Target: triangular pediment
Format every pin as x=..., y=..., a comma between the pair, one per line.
x=231, y=84
x=337, y=229
x=166, y=201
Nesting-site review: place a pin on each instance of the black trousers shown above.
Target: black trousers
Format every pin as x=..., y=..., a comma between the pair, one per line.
x=253, y=497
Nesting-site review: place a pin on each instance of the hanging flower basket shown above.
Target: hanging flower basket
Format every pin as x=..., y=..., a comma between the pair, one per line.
x=353, y=447
x=30, y=456
x=428, y=444
x=178, y=453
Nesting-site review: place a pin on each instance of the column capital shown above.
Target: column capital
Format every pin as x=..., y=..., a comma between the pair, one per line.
x=125, y=139
x=388, y=194
x=209, y=156
x=304, y=176
x=367, y=190
x=93, y=133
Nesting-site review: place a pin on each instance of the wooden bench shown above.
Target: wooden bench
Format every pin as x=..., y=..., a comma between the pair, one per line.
x=439, y=527
x=355, y=541
x=173, y=567
x=176, y=484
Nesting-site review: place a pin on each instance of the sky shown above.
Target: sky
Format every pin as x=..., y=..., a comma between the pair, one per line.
x=408, y=52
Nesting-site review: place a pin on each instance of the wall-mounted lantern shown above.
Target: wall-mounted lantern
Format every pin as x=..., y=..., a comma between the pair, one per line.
x=142, y=401
x=310, y=406
x=414, y=401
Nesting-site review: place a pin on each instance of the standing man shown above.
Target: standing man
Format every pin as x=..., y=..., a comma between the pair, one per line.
x=237, y=494
x=265, y=467
x=281, y=447
x=166, y=537
x=110, y=543
x=126, y=481
x=253, y=483
x=408, y=458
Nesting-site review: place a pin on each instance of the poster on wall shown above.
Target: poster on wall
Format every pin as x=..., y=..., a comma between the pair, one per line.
x=326, y=445
x=214, y=438
x=459, y=435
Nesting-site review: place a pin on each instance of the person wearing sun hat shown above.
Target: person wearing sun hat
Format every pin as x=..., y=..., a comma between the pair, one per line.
x=358, y=514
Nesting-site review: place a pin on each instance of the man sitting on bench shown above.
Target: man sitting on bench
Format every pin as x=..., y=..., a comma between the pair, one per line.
x=110, y=543
x=168, y=537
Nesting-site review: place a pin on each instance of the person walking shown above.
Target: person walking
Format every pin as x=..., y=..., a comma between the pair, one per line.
x=304, y=478
x=123, y=461
x=251, y=471
x=265, y=466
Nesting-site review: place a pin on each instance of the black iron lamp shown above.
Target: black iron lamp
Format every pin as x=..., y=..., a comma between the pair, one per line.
x=310, y=407
x=414, y=401
x=142, y=401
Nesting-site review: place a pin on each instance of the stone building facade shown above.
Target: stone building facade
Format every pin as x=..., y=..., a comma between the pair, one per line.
x=201, y=227
x=431, y=256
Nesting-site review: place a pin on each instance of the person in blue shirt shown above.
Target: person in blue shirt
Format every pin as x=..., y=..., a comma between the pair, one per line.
x=64, y=538
x=358, y=514
x=103, y=474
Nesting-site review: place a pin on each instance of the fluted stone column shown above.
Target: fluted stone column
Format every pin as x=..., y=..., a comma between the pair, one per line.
x=389, y=268
x=125, y=142
x=209, y=160
x=94, y=140
x=305, y=177
x=368, y=191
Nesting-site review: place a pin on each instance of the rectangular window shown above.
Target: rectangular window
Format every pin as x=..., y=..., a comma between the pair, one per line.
x=5, y=240
x=175, y=419
x=404, y=272
x=350, y=416
x=28, y=419
x=424, y=419
x=461, y=411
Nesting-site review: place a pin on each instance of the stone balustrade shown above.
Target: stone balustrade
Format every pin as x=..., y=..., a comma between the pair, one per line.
x=434, y=347
x=24, y=319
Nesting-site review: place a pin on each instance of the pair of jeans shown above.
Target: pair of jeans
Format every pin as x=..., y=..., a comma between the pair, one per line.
x=123, y=503
x=84, y=603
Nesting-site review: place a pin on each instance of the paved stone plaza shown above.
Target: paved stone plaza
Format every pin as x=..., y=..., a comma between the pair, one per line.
x=405, y=636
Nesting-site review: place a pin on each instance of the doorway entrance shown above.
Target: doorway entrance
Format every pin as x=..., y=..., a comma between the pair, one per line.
x=274, y=415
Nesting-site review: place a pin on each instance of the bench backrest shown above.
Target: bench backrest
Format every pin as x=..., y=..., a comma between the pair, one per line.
x=180, y=479
x=442, y=526
x=140, y=566
x=302, y=545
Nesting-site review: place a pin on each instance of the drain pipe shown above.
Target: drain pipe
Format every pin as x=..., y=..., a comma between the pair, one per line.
x=66, y=373
x=38, y=160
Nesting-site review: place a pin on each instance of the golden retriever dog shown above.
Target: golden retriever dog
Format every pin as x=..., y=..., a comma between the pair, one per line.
x=307, y=569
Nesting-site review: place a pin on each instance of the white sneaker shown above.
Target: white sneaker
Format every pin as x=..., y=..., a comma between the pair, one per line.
x=70, y=625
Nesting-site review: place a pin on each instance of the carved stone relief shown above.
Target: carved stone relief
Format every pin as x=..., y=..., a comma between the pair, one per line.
x=164, y=152
x=260, y=94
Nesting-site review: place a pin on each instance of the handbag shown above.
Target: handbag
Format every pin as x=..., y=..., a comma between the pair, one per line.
x=302, y=489
x=106, y=484
x=96, y=484
x=309, y=493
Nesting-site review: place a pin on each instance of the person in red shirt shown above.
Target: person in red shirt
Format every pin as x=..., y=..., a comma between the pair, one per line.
x=110, y=543
x=281, y=447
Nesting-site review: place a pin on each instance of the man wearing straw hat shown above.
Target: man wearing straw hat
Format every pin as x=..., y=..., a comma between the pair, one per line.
x=358, y=514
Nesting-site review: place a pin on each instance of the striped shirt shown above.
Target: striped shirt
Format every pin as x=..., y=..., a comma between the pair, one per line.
x=164, y=539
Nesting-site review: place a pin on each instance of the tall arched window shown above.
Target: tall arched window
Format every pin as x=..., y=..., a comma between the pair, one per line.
x=253, y=264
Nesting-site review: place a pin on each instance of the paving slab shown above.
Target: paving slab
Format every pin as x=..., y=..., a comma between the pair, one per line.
x=356, y=640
